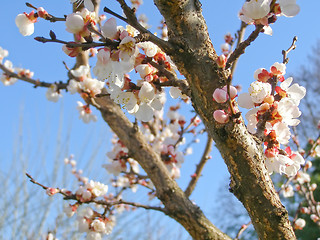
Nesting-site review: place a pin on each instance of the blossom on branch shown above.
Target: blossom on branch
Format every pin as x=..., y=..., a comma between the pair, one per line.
x=53, y=94
x=25, y=23
x=85, y=113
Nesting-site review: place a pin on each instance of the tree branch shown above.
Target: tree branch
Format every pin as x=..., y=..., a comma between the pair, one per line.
x=178, y=206
x=133, y=21
x=240, y=36
x=195, y=57
x=243, y=45
x=36, y=83
x=99, y=202
x=292, y=47
x=200, y=166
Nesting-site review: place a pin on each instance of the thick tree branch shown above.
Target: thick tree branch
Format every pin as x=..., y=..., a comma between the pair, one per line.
x=178, y=206
x=200, y=166
x=195, y=57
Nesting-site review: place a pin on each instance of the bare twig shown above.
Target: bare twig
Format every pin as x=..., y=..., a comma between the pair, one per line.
x=35, y=182
x=36, y=83
x=173, y=80
x=243, y=45
x=197, y=174
x=133, y=21
x=74, y=44
x=242, y=229
x=240, y=36
x=292, y=47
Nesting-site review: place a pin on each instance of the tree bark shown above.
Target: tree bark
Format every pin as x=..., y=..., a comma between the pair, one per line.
x=195, y=57
x=176, y=203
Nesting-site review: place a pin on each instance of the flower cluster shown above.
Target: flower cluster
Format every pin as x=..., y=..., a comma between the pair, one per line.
x=303, y=186
x=146, y=96
x=120, y=162
x=170, y=137
x=226, y=50
x=266, y=11
x=89, y=220
x=273, y=109
x=6, y=78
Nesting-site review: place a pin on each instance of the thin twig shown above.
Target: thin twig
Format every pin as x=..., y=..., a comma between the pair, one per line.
x=134, y=22
x=48, y=17
x=242, y=229
x=173, y=80
x=100, y=202
x=74, y=44
x=240, y=36
x=184, y=130
x=197, y=174
x=292, y=47
x=243, y=45
x=36, y=83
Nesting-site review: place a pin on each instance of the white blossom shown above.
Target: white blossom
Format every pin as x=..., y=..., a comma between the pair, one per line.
x=289, y=8
x=74, y=23
x=256, y=9
x=85, y=113
x=25, y=23
x=259, y=90
x=3, y=53
x=53, y=94
x=98, y=226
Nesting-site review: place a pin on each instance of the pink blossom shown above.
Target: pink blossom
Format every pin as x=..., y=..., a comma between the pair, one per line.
x=220, y=95
x=221, y=116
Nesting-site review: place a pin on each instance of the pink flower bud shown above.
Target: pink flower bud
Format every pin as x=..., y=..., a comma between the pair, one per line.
x=299, y=224
x=233, y=91
x=305, y=210
x=314, y=217
x=71, y=52
x=221, y=61
x=278, y=68
x=313, y=186
x=221, y=116
x=308, y=165
x=262, y=75
x=42, y=13
x=52, y=191
x=220, y=95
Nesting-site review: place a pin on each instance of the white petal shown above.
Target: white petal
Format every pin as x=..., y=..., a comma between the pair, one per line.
x=89, y=5
x=244, y=101
x=145, y=113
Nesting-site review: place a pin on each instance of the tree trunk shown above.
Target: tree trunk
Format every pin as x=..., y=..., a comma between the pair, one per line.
x=195, y=57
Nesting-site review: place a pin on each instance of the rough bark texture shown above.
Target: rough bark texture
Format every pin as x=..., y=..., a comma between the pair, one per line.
x=178, y=206
x=195, y=56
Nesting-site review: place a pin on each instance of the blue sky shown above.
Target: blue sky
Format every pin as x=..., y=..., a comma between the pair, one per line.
x=41, y=116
